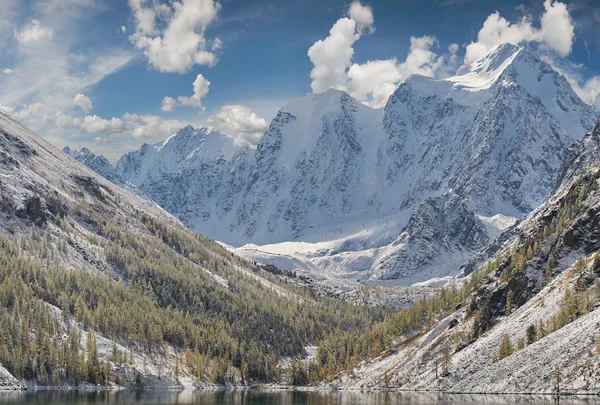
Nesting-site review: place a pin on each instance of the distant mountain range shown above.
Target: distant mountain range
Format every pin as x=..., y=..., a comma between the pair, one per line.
x=407, y=193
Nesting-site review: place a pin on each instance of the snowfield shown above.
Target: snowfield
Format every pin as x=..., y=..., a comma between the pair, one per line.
x=402, y=194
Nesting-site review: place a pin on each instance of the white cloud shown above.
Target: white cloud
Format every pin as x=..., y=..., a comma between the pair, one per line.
x=123, y=29
x=168, y=104
x=452, y=49
x=62, y=121
x=152, y=126
x=26, y=111
x=377, y=78
x=33, y=33
x=97, y=125
x=91, y=123
x=7, y=71
x=240, y=122
x=52, y=73
x=172, y=36
x=332, y=56
x=217, y=44
x=555, y=33
x=83, y=102
x=6, y=109
x=589, y=91
x=363, y=15
x=201, y=86
x=137, y=126
x=374, y=81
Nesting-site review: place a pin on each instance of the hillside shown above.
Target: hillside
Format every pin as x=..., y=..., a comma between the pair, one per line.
x=526, y=317
x=100, y=286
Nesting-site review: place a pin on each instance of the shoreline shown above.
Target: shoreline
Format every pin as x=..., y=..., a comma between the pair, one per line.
x=266, y=388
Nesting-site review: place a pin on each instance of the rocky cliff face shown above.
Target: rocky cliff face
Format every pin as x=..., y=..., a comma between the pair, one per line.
x=545, y=277
x=338, y=183
x=99, y=164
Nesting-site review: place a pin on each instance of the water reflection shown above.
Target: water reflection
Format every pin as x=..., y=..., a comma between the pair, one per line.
x=273, y=398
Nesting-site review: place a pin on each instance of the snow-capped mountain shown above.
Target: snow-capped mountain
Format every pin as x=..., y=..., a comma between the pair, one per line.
x=405, y=192
x=195, y=173
x=550, y=262
x=99, y=164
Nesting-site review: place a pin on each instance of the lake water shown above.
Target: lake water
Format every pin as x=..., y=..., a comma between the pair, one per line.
x=272, y=398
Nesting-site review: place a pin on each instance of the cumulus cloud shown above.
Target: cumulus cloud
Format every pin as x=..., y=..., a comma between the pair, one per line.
x=555, y=33
x=83, y=102
x=374, y=81
x=332, y=56
x=98, y=125
x=33, y=33
x=168, y=104
x=91, y=123
x=151, y=126
x=200, y=86
x=589, y=91
x=363, y=15
x=123, y=29
x=172, y=36
x=26, y=111
x=452, y=49
x=6, y=109
x=240, y=122
x=138, y=126
x=7, y=71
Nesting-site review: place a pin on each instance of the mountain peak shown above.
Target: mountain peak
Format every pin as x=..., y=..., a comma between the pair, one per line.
x=81, y=154
x=97, y=163
x=320, y=103
x=485, y=71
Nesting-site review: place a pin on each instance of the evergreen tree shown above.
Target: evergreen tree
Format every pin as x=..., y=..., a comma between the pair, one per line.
x=509, y=299
x=506, y=347
x=531, y=334
x=446, y=359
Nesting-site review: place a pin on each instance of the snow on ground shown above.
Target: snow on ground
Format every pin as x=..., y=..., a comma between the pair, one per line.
x=571, y=349
x=497, y=224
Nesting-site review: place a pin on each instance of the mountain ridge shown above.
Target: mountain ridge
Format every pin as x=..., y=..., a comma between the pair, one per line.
x=346, y=179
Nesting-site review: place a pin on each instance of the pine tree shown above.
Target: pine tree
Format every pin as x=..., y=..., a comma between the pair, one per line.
x=446, y=359
x=176, y=367
x=506, y=347
x=531, y=334
x=509, y=299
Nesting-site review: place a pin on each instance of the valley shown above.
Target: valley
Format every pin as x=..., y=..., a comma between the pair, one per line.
x=425, y=224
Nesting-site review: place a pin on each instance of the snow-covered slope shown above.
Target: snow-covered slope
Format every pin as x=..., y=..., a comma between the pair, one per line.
x=554, y=253
x=100, y=165
x=195, y=174
x=335, y=185
x=71, y=239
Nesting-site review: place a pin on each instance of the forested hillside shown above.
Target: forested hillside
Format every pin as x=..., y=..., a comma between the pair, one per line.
x=523, y=320
x=99, y=286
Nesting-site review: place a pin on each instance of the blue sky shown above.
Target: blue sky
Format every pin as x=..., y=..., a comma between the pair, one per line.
x=96, y=72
